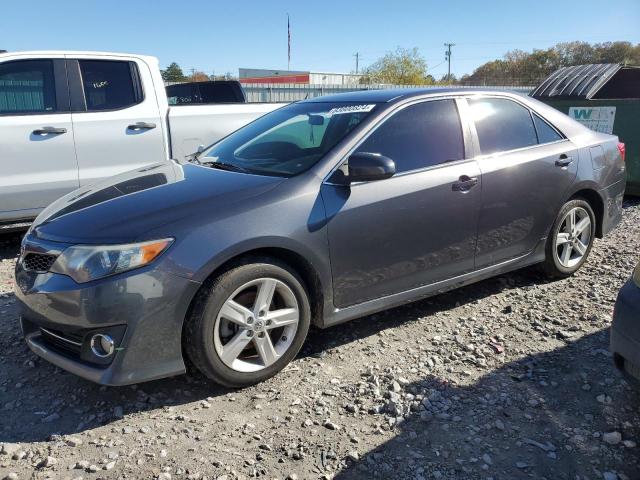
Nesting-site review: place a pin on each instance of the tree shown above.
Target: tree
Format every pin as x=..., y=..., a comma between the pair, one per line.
x=523, y=68
x=173, y=73
x=198, y=76
x=402, y=67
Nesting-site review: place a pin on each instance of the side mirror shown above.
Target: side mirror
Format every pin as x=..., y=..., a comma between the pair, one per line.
x=367, y=167
x=315, y=119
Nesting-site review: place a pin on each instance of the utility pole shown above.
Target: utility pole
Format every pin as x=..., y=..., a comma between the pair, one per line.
x=357, y=55
x=447, y=57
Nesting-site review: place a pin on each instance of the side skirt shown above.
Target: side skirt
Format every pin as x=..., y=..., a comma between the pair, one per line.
x=341, y=315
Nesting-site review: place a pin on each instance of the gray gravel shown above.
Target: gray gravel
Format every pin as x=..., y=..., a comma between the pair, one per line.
x=506, y=379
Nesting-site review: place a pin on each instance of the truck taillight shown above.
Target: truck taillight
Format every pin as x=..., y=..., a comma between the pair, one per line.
x=622, y=151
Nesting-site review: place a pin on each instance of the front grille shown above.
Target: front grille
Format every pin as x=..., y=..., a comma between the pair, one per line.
x=69, y=342
x=38, y=262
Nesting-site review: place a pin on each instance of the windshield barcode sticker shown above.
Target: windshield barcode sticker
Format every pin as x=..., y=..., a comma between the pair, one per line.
x=351, y=109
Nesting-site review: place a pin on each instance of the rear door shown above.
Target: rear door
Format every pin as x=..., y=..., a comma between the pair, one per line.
x=415, y=228
x=37, y=155
x=527, y=167
x=116, y=119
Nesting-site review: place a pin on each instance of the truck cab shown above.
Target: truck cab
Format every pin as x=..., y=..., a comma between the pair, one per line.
x=69, y=119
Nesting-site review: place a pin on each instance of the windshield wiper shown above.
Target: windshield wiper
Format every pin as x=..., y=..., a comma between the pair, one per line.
x=226, y=166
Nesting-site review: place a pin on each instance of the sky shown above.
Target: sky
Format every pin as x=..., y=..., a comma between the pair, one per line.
x=219, y=37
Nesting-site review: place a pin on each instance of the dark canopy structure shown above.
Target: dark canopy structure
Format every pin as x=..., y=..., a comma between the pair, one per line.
x=594, y=81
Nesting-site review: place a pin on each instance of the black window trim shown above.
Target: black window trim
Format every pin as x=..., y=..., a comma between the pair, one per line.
x=60, y=84
x=472, y=125
x=466, y=141
x=138, y=88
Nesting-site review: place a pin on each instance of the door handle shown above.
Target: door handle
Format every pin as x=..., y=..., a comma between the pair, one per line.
x=464, y=184
x=141, y=126
x=49, y=131
x=564, y=161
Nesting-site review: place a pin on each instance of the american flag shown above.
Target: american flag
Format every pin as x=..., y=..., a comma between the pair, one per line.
x=288, y=43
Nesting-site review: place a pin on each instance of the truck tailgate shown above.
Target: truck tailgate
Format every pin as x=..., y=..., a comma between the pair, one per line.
x=192, y=126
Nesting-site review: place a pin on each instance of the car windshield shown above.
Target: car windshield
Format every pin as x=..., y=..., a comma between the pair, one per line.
x=287, y=141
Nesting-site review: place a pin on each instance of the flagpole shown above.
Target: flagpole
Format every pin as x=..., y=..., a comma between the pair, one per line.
x=288, y=43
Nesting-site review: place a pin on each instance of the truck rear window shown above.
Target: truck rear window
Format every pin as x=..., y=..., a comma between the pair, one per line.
x=110, y=85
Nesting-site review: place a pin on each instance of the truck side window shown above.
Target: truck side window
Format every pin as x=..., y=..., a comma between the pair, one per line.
x=27, y=86
x=110, y=85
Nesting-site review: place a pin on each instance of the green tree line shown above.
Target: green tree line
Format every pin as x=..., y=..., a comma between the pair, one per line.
x=517, y=67
x=530, y=68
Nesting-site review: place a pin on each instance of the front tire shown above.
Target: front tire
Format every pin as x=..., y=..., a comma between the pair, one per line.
x=248, y=323
x=571, y=239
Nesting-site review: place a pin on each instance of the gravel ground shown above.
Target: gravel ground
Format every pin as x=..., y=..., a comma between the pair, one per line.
x=509, y=378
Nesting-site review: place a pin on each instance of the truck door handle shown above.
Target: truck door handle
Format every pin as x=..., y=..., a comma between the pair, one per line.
x=141, y=126
x=464, y=184
x=564, y=161
x=49, y=131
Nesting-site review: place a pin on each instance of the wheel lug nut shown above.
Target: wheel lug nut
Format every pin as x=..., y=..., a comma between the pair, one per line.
x=261, y=313
x=260, y=334
x=284, y=338
x=269, y=322
x=250, y=320
x=249, y=333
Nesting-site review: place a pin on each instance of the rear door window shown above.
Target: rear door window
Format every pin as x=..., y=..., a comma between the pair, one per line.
x=27, y=87
x=419, y=136
x=110, y=85
x=502, y=125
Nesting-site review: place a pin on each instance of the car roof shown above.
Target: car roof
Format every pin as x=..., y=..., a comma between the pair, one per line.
x=390, y=95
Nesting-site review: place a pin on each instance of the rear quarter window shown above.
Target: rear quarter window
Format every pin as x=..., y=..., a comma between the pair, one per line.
x=546, y=133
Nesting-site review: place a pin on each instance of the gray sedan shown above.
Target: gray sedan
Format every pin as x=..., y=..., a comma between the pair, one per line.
x=317, y=213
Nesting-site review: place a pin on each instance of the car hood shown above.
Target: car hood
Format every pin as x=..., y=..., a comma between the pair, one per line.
x=123, y=208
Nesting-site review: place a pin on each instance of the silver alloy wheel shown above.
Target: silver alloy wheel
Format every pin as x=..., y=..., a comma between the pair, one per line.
x=256, y=325
x=573, y=237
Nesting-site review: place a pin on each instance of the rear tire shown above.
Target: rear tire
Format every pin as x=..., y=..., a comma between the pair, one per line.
x=570, y=240
x=248, y=323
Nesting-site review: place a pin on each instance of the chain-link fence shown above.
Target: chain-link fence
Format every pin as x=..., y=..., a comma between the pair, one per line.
x=260, y=92
x=285, y=92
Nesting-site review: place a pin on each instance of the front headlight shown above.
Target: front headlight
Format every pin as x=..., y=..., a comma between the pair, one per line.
x=636, y=275
x=84, y=263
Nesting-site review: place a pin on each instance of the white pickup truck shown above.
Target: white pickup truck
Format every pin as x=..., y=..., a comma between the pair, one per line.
x=68, y=119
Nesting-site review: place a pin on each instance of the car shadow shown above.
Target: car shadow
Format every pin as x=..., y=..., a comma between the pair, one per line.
x=40, y=400
x=540, y=416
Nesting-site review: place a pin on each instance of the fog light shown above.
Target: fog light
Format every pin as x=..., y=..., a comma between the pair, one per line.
x=102, y=345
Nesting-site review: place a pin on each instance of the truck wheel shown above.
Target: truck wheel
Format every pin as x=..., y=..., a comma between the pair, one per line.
x=249, y=323
x=571, y=239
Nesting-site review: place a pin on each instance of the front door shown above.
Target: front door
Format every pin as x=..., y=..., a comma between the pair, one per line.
x=37, y=154
x=527, y=167
x=415, y=228
x=121, y=129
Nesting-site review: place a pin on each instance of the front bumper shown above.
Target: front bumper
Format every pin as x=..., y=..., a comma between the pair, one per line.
x=625, y=329
x=143, y=310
